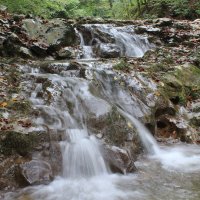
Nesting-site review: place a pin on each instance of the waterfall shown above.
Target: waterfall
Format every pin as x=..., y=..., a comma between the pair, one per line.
x=130, y=108
x=85, y=174
x=81, y=152
x=82, y=156
x=147, y=139
x=130, y=44
x=87, y=49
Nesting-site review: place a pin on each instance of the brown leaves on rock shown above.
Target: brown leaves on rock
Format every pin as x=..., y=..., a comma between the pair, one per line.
x=25, y=124
x=3, y=104
x=5, y=124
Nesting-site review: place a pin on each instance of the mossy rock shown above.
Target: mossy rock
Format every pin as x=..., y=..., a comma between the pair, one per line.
x=122, y=65
x=183, y=84
x=195, y=121
x=21, y=106
x=16, y=142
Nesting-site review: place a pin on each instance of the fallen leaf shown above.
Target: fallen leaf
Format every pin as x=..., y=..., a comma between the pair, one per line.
x=4, y=104
x=14, y=99
x=157, y=93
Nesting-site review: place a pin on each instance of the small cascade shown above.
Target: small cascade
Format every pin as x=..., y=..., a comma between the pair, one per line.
x=130, y=108
x=81, y=156
x=87, y=49
x=80, y=151
x=70, y=102
x=130, y=44
x=147, y=139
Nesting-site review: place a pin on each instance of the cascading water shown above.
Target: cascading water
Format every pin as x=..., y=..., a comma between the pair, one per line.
x=84, y=171
x=175, y=158
x=81, y=156
x=130, y=44
x=87, y=49
x=81, y=152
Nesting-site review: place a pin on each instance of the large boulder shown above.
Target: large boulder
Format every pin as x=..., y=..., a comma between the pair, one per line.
x=55, y=33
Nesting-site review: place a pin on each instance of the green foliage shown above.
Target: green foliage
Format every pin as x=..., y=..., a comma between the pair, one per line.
x=123, y=9
x=186, y=9
x=45, y=8
x=120, y=9
x=122, y=65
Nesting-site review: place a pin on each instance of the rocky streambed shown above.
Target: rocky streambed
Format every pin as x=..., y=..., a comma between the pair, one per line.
x=59, y=76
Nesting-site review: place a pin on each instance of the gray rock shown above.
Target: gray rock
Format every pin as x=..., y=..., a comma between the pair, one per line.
x=54, y=67
x=163, y=22
x=147, y=29
x=39, y=49
x=64, y=53
x=119, y=160
x=54, y=33
x=25, y=53
x=2, y=39
x=108, y=50
x=12, y=45
x=36, y=171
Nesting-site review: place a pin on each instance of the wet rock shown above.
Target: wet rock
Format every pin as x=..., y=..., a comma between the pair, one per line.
x=2, y=39
x=74, y=65
x=195, y=121
x=25, y=53
x=39, y=49
x=64, y=53
x=167, y=128
x=165, y=110
x=116, y=131
x=163, y=22
x=86, y=33
x=54, y=67
x=12, y=45
x=107, y=50
x=36, y=172
x=103, y=36
x=147, y=29
x=90, y=32
x=18, y=18
x=119, y=160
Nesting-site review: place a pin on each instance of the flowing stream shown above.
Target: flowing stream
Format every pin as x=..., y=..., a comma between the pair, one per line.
x=165, y=172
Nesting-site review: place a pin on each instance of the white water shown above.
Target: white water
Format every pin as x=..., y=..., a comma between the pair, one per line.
x=85, y=174
x=131, y=44
x=87, y=49
x=176, y=158
x=147, y=139
x=82, y=156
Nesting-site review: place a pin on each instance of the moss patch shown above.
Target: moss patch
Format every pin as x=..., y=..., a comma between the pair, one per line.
x=183, y=83
x=21, y=106
x=16, y=142
x=122, y=65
